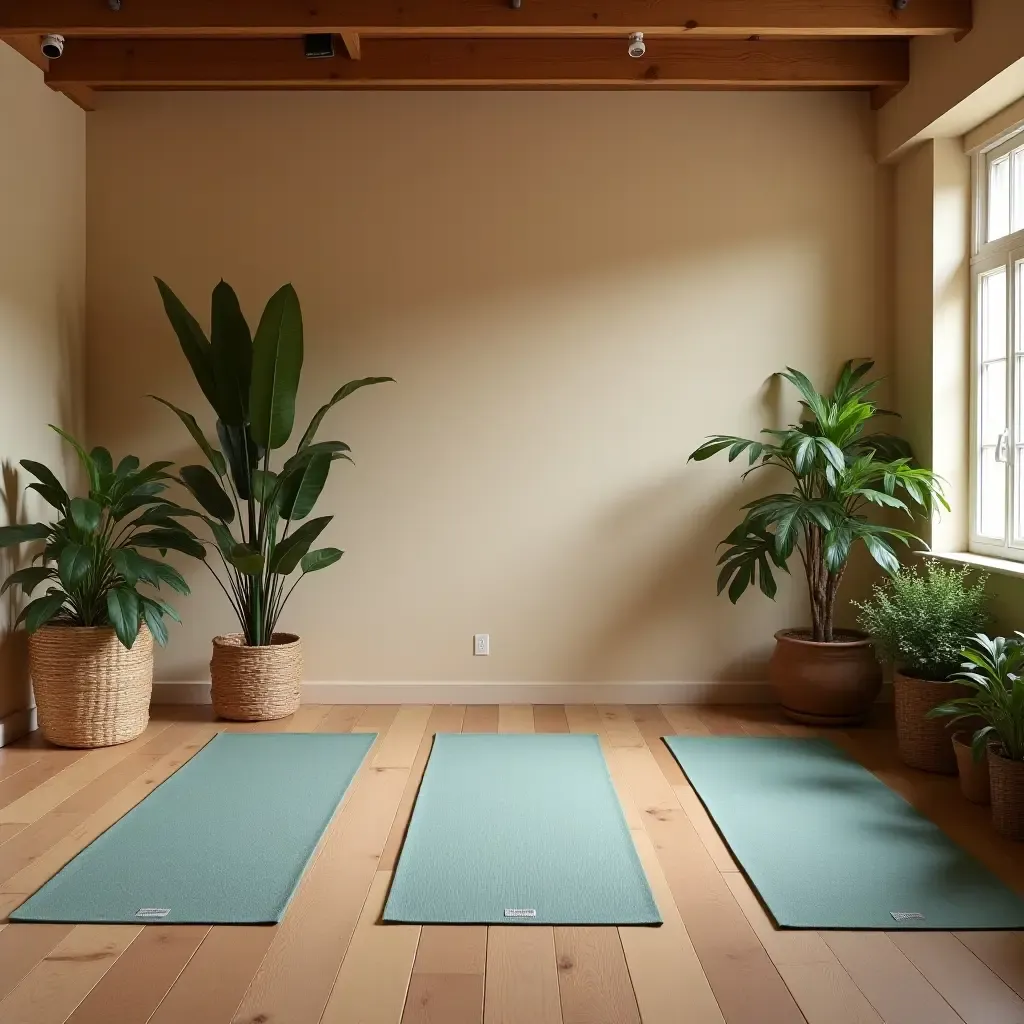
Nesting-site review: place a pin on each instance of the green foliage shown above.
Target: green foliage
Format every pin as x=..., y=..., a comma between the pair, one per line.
x=89, y=559
x=251, y=382
x=840, y=472
x=993, y=673
x=921, y=621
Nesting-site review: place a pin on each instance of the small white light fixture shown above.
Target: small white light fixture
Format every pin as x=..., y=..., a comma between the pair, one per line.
x=637, y=47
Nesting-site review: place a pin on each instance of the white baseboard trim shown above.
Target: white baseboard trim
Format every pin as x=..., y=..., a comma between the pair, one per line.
x=16, y=725
x=498, y=693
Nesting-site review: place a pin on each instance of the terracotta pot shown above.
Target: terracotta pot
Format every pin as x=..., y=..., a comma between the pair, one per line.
x=825, y=684
x=256, y=684
x=973, y=774
x=1007, y=793
x=925, y=743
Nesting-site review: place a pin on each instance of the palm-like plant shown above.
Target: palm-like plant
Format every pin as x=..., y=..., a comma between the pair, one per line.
x=251, y=381
x=91, y=559
x=993, y=672
x=839, y=472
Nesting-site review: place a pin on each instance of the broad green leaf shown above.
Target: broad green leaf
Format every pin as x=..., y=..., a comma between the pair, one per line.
x=128, y=465
x=28, y=579
x=231, y=348
x=243, y=456
x=339, y=395
x=123, y=612
x=22, y=533
x=153, y=615
x=103, y=460
x=246, y=560
x=48, y=480
x=124, y=561
x=193, y=343
x=40, y=611
x=169, y=575
x=320, y=559
x=164, y=540
x=336, y=449
x=73, y=565
x=223, y=536
x=215, y=457
x=302, y=488
x=57, y=498
x=86, y=514
x=87, y=463
x=208, y=492
x=881, y=553
x=276, y=367
x=164, y=607
x=288, y=553
x=264, y=485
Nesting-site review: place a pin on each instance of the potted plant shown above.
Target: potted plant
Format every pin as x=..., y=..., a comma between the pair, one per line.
x=91, y=634
x=992, y=674
x=921, y=621
x=257, y=514
x=839, y=473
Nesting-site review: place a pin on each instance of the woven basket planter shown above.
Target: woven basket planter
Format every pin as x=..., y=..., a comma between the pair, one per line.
x=925, y=743
x=1007, y=779
x=90, y=691
x=256, y=684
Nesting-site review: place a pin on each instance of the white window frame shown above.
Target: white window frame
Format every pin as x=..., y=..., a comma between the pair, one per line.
x=987, y=256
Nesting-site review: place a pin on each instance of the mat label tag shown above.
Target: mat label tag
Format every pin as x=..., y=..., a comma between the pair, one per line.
x=906, y=915
x=519, y=912
x=153, y=912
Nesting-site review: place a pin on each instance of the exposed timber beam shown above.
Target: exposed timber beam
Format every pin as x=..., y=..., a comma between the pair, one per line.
x=28, y=47
x=485, y=17
x=351, y=41
x=501, y=63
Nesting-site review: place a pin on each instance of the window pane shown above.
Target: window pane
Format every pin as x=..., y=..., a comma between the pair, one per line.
x=991, y=496
x=1017, y=188
x=992, y=315
x=1018, y=501
x=1018, y=313
x=992, y=421
x=999, y=197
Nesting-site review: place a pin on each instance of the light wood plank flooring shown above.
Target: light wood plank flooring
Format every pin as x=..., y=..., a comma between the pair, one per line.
x=716, y=960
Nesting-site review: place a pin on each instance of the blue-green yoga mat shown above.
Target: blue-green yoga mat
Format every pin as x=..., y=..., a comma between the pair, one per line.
x=828, y=845
x=519, y=829
x=224, y=840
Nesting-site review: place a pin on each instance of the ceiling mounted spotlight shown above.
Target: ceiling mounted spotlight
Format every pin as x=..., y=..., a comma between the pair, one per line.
x=52, y=46
x=114, y=5
x=900, y=5
x=637, y=47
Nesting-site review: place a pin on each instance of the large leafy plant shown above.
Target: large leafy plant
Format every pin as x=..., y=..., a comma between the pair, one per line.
x=91, y=560
x=257, y=515
x=839, y=473
x=922, y=620
x=993, y=673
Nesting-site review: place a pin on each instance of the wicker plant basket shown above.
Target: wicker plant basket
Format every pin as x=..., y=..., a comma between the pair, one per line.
x=90, y=691
x=256, y=684
x=1007, y=781
x=925, y=743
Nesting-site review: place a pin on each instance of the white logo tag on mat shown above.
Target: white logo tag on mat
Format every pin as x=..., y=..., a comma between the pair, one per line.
x=512, y=912
x=906, y=915
x=153, y=912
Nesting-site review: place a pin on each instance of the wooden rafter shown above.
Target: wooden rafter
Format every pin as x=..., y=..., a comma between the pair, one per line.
x=28, y=47
x=279, y=63
x=80, y=18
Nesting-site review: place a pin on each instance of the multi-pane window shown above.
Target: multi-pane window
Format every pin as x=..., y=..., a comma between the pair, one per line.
x=997, y=407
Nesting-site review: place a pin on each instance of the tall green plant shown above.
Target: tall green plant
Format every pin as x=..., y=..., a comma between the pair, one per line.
x=256, y=514
x=91, y=559
x=839, y=472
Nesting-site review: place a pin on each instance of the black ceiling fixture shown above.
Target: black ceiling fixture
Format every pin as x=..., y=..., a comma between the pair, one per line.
x=900, y=5
x=318, y=44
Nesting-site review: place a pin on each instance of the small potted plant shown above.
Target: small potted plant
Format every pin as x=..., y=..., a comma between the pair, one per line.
x=920, y=621
x=91, y=634
x=840, y=473
x=992, y=674
x=256, y=513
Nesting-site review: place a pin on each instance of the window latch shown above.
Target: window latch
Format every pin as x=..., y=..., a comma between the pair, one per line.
x=1003, y=447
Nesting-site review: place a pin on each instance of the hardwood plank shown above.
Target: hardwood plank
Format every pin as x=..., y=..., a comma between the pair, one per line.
x=23, y=946
x=720, y=721
x=663, y=966
x=478, y=17
x=374, y=976
x=481, y=718
x=891, y=983
x=521, y=983
x=15, y=759
x=15, y=786
x=444, y=999
x=342, y=717
x=1001, y=952
x=49, y=993
x=583, y=718
x=549, y=718
x=593, y=982
x=9, y=829
x=684, y=719
x=960, y=978
x=515, y=718
x=400, y=745
x=132, y=989
x=376, y=718
x=452, y=949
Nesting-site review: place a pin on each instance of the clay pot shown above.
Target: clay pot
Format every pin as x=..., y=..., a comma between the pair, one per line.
x=1007, y=793
x=825, y=684
x=974, y=782
x=925, y=743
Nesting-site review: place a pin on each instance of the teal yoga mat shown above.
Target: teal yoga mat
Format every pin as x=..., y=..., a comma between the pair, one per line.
x=828, y=845
x=224, y=840
x=519, y=829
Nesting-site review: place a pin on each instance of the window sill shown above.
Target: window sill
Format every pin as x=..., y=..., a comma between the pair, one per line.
x=1002, y=566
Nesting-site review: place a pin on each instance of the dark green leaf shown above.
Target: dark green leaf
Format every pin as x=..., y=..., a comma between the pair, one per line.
x=193, y=343
x=28, y=579
x=243, y=456
x=128, y=465
x=87, y=464
x=264, y=485
x=231, y=348
x=49, y=481
x=320, y=559
x=215, y=457
x=339, y=395
x=73, y=565
x=276, y=367
x=335, y=449
x=153, y=615
x=208, y=492
x=173, y=540
x=288, y=553
x=40, y=611
x=86, y=514
x=164, y=607
x=20, y=534
x=57, y=498
x=169, y=575
x=103, y=460
x=123, y=612
x=246, y=559
x=125, y=563
x=302, y=488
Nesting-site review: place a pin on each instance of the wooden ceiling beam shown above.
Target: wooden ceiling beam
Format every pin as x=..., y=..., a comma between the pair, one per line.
x=28, y=47
x=485, y=17
x=501, y=63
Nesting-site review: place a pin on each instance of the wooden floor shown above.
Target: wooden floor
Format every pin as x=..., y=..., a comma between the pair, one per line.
x=716, y=959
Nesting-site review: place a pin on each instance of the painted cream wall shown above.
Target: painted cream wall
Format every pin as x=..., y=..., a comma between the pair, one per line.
x=42, y=307
x=571, y=289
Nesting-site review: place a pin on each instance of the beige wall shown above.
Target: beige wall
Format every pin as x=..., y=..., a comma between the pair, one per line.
x=42, y=305
x=572, y=290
